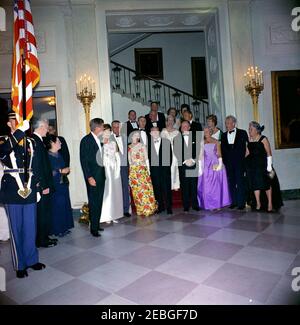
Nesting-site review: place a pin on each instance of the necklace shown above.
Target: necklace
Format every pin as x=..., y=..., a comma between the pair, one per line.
x=256, y=139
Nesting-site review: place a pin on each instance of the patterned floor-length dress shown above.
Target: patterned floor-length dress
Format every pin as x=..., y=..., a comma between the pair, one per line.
x=140, y=180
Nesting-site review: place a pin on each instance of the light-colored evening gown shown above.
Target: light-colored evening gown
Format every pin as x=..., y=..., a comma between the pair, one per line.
x=112, y=206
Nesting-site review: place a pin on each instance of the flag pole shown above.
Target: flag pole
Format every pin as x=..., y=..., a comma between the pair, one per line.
x=24, y=118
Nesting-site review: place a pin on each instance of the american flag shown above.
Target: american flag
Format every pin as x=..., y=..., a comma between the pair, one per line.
x=24, y=48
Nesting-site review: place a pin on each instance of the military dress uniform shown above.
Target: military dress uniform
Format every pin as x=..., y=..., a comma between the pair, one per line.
x=20, y=201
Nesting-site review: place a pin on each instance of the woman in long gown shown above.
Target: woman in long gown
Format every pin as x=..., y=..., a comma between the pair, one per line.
x=262, y=179
x=213, y=191
x=212, y=122
x=62, y=216
x=112, y=206
x=170, y=133
x=139, y=178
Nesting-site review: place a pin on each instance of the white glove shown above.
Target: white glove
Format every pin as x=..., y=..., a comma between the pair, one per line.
x=200, y=171
x=220, y=165
x=269, y=166
x=24, y=126
x=189, y=162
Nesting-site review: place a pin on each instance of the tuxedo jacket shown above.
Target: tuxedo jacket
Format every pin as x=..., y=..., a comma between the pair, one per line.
x=44, y=169
x=163, y=160
x=235, y=153
x=130, y=128
x=161, y=123
x=184, y=152
x=91, y=160
x=124, y=155
x=195, y=126
x=148, y=138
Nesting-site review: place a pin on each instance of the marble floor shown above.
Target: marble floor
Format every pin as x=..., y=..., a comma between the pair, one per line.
x=223, y=257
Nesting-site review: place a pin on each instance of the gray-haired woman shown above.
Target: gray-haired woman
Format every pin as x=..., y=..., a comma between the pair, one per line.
x=261, y=175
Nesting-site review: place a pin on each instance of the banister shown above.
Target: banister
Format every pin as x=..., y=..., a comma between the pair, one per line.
x=159, y=82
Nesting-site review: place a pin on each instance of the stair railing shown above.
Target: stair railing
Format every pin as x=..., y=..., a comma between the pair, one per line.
x=144, y=89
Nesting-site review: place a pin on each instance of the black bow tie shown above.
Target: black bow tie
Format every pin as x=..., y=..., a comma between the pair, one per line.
x=142, y=129
x=231, y=131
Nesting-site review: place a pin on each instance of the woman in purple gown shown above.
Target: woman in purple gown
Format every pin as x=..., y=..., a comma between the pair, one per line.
x=213, y=192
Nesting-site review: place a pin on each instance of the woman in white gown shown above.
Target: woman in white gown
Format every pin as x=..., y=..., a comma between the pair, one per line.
x=4, y=229
x=112, y=207
x=170, y=133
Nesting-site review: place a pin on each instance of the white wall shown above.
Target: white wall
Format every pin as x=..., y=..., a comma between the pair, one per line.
x=270, y=52
x=122, y=105
x=177, y=50
x=273, y=52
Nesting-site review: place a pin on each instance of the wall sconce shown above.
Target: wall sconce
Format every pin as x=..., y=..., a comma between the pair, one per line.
x=116, y=72
x=177, y=96
x=156, y=88
x=137, y=86
x=86, y=93
x=254, y=85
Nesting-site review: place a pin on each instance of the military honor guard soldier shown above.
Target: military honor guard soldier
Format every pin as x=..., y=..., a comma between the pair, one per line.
x=20, y=198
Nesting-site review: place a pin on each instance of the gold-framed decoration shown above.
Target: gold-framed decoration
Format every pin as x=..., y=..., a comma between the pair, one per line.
x=286, y=108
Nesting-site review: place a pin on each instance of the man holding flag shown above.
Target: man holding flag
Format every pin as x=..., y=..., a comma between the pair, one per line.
x=19, y=188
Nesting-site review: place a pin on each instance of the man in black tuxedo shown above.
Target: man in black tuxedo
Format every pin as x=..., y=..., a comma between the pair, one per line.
x=45, y=181
x=233, y=147
x=64, y=151
x=144, y=135
x=91, y=154
x=160, y=157
x=131, y=124
x=194, y=126
x=155, y=118
x=187, y=150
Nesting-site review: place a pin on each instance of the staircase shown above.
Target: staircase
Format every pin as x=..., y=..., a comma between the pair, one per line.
x=143, y=89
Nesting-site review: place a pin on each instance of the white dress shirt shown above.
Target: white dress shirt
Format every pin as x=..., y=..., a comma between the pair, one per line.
x=186, y=139
x=97, y=141
x=144, y=137
x=157, y=145
x=134, y=124
x=231, y=136
x=120, y=143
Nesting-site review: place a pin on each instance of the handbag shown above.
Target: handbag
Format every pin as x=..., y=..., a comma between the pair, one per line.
x=64, y=179
x=271, y=174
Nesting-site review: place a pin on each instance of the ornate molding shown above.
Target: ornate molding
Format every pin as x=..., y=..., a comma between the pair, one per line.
x=158, y=21
x=191, y=20
x=211, y=37
x=213, y=64
x=125, y=22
